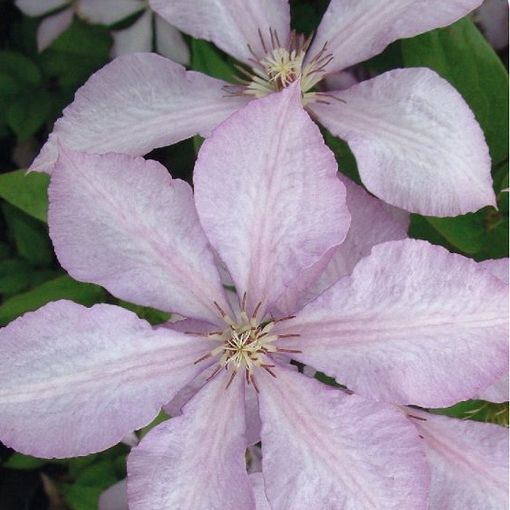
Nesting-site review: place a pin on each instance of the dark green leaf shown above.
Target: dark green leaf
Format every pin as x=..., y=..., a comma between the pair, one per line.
x=28, y=192
x=20, y=68
x=465, y=232
x=461, y=54
x=28, y=112
x=29, y=235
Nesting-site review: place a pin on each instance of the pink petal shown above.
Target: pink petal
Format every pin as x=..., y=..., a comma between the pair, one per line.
x=115, y=497
x=416, y=142
x=413, y=324
x=137, y=37
x=135, y=104
x=468, y=460
x=38, y=7
x=497, y=267
x=356, y=30
x=372, y=222
x=499, y=391
x=322, y=448
x=268, y=197
x=492, y=16
x=170, y=43
x=125, y=224
x=257, y=483
x=195, y=461
x=52, y=26
x=76, y=380
x=107, y=12
x=233, y=25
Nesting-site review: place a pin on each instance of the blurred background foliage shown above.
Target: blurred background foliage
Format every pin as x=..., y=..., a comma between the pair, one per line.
x=34, y=89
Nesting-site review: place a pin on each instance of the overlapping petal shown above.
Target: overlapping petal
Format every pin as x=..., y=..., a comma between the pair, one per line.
x=324, y=449
x=107, y=12
x=114, y=498
x=468, y=461
x=268, y=197
x=135, y=104
x=499, y=391
x=416, y=142
x=39, y=7
x=137, y=37
x=52, y=26
x=356, y=30
x=413, y=324
x=125, y=224
x=76, y=380
x=169, y=41
x=235, y=26
x=372, y=222
x=195, y=461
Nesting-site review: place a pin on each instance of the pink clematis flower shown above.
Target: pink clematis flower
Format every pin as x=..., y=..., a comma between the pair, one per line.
x=412, y=324
x=416, y=142
x=138, y=37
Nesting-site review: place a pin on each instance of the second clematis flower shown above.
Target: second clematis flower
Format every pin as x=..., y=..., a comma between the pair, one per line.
x=413, y=324
x=416, y=142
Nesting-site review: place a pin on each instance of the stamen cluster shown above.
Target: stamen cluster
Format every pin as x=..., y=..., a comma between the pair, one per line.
x=281, y=65
x=245, y=343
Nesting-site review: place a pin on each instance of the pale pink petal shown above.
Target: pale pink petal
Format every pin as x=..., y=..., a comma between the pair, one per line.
x=356, y=30
x=135, y=104
x=233, y=25
x=125, y=224
x=257, y=483
x=170, y=43
x=76, y=380
x=416, y=142
x=195, y=461
x=115, y=497
x=137, y=37
x=322, y=448
x=497, y=267
x=468, y=460
x=39, y=7
x=499, y=391
x=52, y=26
x=268, y=197
x=412, y=324
x=372, y=222
x=107, y=12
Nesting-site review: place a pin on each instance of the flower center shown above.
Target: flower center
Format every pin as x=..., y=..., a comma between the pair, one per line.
x=245, y=344
x=281, y=65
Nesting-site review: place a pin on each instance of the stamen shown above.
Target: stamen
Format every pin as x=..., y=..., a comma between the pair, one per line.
x=290, y=351
x=231, y=379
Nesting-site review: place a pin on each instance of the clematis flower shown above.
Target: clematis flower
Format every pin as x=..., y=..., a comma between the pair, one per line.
x=416, y=142
x=137, y=37
x=412, y=324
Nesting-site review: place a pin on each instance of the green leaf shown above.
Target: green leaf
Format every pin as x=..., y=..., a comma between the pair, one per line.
x=465, y=232
x=206, y=59
x=478, y=410
x=76, y=54
x=344, y=156
x=28, y=192
x=15, y=276
x=461, y=54
x=29, y=235
x=149, y=314
x=19, y=461
x=80, y=497
x=63, y=287
x=20, y=68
